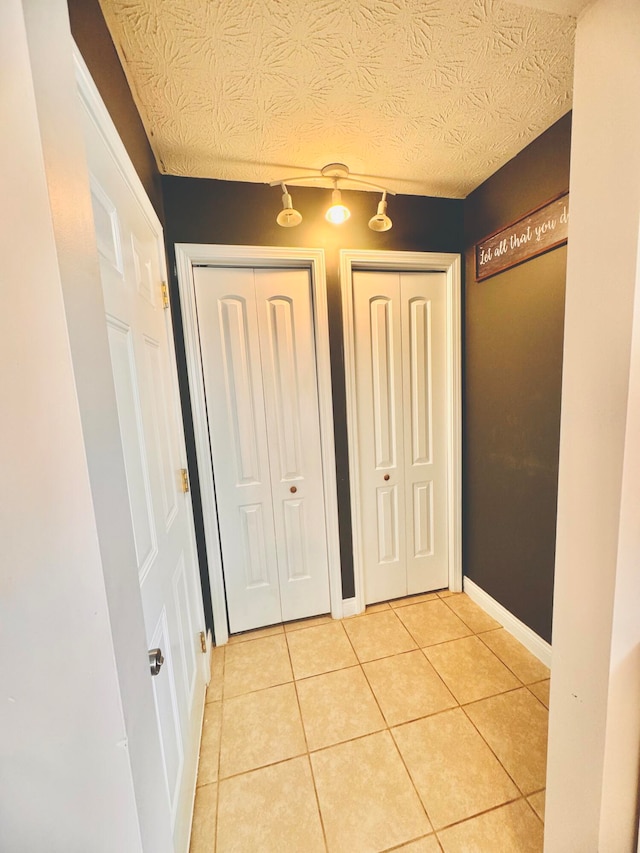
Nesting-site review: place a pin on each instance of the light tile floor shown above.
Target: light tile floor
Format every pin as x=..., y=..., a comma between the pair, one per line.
x=420, y=726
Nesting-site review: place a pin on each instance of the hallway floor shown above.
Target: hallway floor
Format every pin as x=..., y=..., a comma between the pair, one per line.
x=420, y=726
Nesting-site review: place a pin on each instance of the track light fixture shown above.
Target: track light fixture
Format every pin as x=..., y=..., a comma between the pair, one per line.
x=288, y=217
x=338, y=212
x=381, y=222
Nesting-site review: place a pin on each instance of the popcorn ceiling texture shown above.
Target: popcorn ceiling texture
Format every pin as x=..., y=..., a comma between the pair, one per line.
x=429, y=97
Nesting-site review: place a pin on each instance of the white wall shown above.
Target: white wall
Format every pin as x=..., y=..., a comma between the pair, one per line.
x=65, y=779
x=594, y=732
x=77, y=725
x=50, y=47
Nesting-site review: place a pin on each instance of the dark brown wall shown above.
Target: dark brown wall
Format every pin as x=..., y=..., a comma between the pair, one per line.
x=513, y=333
x=94, y=41
x=207, y=211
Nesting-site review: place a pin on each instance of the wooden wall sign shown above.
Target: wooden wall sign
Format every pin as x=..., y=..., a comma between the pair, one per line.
x=539, y=231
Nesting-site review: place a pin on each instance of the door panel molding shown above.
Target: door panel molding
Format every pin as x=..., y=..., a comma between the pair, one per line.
x=350, y=260
x=189, y=255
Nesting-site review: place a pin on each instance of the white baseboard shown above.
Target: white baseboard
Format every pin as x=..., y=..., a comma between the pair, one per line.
x=529, y=639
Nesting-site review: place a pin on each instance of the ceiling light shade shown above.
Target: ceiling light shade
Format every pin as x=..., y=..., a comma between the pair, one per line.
x=337, y=213
x=288, y=217
x=381, y=222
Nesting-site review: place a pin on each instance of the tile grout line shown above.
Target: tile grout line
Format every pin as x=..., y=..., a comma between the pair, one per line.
x=462, y=708
x=413, y=841
x=388, y=729
x=502, y=693
x=308, y=753
x=504, y=663
x=412, y=780
x=485, y=812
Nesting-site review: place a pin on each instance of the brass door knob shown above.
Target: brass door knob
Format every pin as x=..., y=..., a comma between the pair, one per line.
x=293, y=490
x=386, y=476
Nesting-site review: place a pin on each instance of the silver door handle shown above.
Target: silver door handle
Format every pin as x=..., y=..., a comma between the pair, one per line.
x=156, y=659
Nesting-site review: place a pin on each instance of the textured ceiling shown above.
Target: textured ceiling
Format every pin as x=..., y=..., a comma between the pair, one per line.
x=428, y=97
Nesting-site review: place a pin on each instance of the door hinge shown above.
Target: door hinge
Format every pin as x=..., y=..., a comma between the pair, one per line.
x=184, y=474
x=165, y=295
x=203, y=641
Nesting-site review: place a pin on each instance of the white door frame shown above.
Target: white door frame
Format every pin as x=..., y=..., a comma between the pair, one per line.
x=188, y=255
x=449, y=264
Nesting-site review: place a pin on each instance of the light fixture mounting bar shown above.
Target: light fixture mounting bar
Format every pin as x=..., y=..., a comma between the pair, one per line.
x=336, y=173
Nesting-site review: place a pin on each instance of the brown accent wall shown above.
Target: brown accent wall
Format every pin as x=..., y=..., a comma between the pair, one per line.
x=94, y=42
x=208, y=211
x=513, y=335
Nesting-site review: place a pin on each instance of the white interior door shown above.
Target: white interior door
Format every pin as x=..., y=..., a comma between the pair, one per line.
x=142, y=356
x=400, y=360
x=258, y=357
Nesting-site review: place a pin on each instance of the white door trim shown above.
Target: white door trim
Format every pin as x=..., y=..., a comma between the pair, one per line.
x=188, y=255
x=449, y=264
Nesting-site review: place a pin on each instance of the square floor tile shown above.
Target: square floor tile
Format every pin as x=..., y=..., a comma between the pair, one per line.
x=338, y=706
x=378, y=635
x=255, y=665
x=510, y=829
x=470, y=670
x=269, y=631
x=519, y=660
x=366, y=797
x=537, y=801
x=214, y=688
x=270, y=810
x=210, y=743
x=407, y=687
x=541, y=690
x=515, y=727
x=454, y=771
x=322, y=648
x=413, y=599
x=260, y=728
x=203, y=830
x=446, y=593
x=471, y=614
x=432, y=622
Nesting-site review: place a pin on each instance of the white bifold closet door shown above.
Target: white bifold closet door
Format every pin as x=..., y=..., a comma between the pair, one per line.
x=400, y=337
x=258, y=356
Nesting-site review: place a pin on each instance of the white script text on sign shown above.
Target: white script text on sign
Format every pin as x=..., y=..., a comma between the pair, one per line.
x=537, y=232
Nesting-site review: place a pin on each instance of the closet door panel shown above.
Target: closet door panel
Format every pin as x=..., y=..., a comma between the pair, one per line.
x=425, y=459
x=285, y=321
x=229, y=339
x=378, y=356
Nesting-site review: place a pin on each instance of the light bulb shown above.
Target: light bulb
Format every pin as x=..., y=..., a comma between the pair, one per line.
x=337, y=213
x=288, y=217
x=380, y=222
